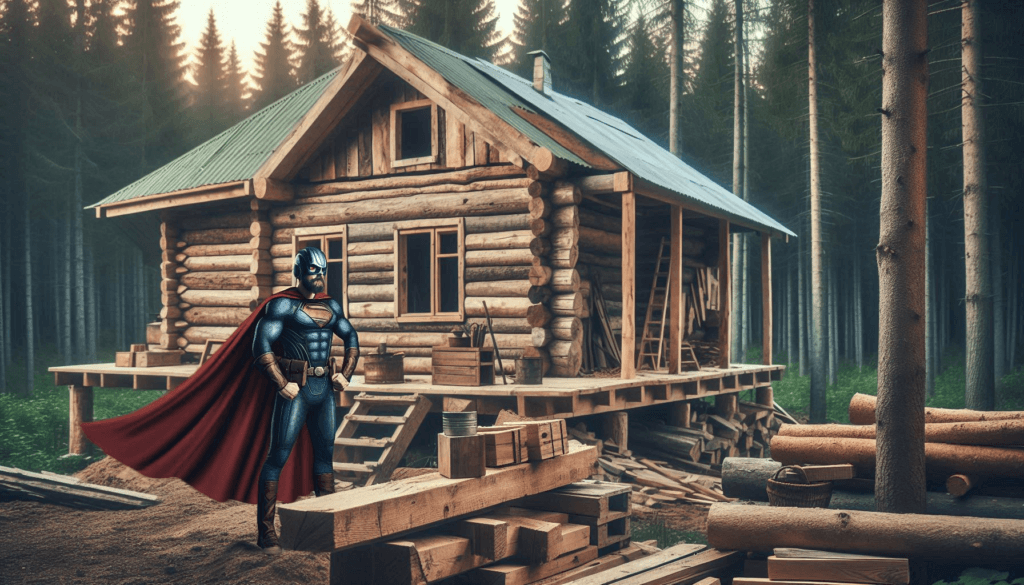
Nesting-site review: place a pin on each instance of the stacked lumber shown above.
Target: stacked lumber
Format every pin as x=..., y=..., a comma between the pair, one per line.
x=791, y=566
x=963, y=448
x=706, y=352
x=18, y=484
x=680, y=564
x=141, y=356
x=731, y=428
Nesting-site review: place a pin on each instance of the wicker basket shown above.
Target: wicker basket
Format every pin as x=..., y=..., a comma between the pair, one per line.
x=798, y=495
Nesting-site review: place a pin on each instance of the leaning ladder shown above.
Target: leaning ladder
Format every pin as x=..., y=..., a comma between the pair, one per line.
x=652, y=340
x=380, y=412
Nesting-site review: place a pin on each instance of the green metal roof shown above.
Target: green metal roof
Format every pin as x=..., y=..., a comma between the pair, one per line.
x=499, y=91
x=233, y=155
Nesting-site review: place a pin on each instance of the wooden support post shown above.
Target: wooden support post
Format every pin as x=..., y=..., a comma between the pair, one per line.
x=628, y=352
x=766, y=299
x=675, y=289
x=765, y=395
x=616, y=429
x=80, y=412
x=679, y=414
x=724, y=294
x=726, y=405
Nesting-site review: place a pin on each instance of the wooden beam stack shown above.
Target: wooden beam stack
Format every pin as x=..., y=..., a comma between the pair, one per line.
x=792, y=566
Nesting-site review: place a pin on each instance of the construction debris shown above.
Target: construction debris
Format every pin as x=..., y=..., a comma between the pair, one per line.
x=17, y=484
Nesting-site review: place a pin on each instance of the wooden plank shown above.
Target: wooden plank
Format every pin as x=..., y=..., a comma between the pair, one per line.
x=640, y=566
x=455, y=155
x=378, y=512
x=594, y=500
x=381, y=136
x=676, y=329
x=520, y=574
x=766, y=299
x=596, y=566
x=679, y=571
x=628, y=353
x=764, y=581
x=816, y=473
x=847, y=570
x=724, y=295
x=69, y=491
x=489, y=536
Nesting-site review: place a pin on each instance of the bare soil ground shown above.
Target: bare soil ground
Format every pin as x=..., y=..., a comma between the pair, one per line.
x=187, y=538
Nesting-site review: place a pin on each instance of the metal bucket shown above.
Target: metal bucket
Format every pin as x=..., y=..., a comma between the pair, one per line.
x=529, y=370
x=459, y=424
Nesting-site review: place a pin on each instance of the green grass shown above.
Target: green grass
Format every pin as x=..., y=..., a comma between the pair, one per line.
x=793, y=391
x=641, y=530
x=34, y=431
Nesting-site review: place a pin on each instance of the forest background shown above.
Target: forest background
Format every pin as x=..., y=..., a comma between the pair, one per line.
x=98, y=93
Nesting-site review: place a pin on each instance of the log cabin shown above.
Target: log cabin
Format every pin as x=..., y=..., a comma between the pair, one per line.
x=437, y=184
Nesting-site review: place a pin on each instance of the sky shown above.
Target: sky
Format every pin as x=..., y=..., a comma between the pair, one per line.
x=245, y=21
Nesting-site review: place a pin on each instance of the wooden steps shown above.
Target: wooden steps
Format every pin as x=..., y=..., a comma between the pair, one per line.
x=354, y=459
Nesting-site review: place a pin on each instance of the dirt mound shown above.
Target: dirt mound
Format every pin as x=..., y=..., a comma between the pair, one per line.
x=187, y=538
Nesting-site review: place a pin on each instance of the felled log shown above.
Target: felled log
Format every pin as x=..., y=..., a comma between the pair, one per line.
x=540, y=227
x=228, y=316
x=990, y=432
x=941, y=460
x=499, y=240
x=538, y=294
x=540, y=337
x=959, y=484
x=939, y=504
x=285, y=250
x=360, y=232
x=566, y=328
x=597, y=240
x=540, y=246
x=747, y=478
x=491, y=273
x=565, y=237
x=513, y=257
x=540, y=208
x=862, y=412
x=427, y=205
x=916, y=536
x=601, y=221
x=217, y=220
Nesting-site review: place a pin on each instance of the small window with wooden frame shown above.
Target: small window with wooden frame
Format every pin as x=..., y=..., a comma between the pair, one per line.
x=413, y=133
x=429, y=271
x=333, y=242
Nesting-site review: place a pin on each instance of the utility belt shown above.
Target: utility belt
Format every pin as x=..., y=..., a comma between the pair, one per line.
x=298, y=370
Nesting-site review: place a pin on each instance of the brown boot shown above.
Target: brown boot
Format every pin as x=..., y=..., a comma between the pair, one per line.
x=266, y=508
x=324, y=484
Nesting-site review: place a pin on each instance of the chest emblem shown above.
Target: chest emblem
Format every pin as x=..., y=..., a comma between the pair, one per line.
x=319, y=312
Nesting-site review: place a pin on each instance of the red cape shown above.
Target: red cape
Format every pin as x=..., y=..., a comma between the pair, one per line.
x=213, y=430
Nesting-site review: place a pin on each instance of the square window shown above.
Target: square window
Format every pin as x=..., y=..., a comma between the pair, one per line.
x=416, y=135
x=429, y=274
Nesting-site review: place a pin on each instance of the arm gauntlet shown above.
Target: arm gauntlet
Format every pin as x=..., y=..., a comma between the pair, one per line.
x=267, y=363
x=348, y=367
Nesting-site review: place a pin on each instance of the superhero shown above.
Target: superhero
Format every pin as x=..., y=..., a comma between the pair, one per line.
x=301, y=330
x=240, y=428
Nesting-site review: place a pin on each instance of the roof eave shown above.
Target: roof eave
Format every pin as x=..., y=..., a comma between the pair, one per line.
x=204, y=194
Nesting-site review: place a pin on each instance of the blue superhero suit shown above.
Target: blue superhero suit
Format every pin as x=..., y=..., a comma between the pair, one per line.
x=291, y=343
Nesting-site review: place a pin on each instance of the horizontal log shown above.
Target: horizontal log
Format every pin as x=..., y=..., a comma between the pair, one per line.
x=217, y=280
x=368, y=232
x=939, y=504
x=540, y=227
x=595, y=219
x=941, y=460
x=538, y=294
x=213, y=250
x=491, y=273
x=498, y=288
x=499, y=240
x=862, y=412
x=540, y=275
x=216, y=298
x=286, y=279
x=564, y=258
x=459, y=177
x=223, y=316
x=368, y=248
x=259, y=229
x=383, y=195
x=995, y=432
x=541, y=336
x=214, y=220
x=565, y=193
x=216, y=236
x=567, y=328
x=516, y=257
x=410, y=365
x=968, y=540
x=373, y=339
x=499, y=307
x=376, y=277
x=540, y=208
x=281, y=251
x=371, y=310
x=433, y=205
x=217, y=263
x=487, y=224
x=371, y=263
x=540, y=246
x=567, y=305
x=565, y=237
x=200, y=335
x=600, y=260
x=566, y=217
x=283, y=264
x=597, y=240
x=371, y=292
x=746, y=478
x=538, y=315
x=501, y=325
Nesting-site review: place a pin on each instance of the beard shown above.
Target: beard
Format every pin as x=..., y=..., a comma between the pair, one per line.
x=314, y=284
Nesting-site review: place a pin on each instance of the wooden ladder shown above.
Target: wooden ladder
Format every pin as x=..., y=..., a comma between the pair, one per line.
x=380, y=412
x=652, y=341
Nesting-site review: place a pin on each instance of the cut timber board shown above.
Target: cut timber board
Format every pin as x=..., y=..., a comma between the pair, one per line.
x=763, y=581
x=338, y=521
x=848, y=570
x=601, y=500
x=639, y=566
x=521, y=574
x=61, y=489
x=816, y=473
x=702, y=564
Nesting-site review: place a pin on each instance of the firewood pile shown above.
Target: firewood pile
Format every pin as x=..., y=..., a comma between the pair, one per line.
x=706, y=352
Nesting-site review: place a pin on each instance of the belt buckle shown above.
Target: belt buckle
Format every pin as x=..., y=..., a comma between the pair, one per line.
x=319, y=371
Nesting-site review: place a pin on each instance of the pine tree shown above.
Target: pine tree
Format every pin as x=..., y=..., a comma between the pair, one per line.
x=236, y=90
x=468, y=27
x=707, y=130
x=379, y=12
x=593, y=47
x=209, y=95
x=538, y=27
x=644, y=95
x=275, y=76
x=317, y=53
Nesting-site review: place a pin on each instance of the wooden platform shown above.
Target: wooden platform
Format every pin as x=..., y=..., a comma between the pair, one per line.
x=555, y=398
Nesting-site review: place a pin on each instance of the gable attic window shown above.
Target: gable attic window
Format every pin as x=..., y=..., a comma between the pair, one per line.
x=429, y=271
x=413, y=133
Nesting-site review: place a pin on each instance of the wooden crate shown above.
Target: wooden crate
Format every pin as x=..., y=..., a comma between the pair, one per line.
x=504, y=445
x=460, y=457
x=544, y=438
x=461, y=366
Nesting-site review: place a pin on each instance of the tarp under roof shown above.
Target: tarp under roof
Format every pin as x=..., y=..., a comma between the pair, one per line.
x=233, y=155
x=500, y=91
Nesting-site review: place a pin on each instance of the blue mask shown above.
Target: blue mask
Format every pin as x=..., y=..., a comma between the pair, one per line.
x=310, y=269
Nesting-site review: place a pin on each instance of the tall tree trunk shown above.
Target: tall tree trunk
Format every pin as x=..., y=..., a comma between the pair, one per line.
x=1013, y=293
x=899, y=466
x=119, y=307
x=64, y=332
x=4, y=339
x=818, y=357
x=929, y=310
x=942, y=320
x=833, y=331
x=858, y=329
x=998, y=296
x=802, y=313
x=6, y=286
x=748, y=307
x=980, y=392
x=90, y=306
x=738, y=309
x=77, y=234
x=675, y=139
x=791, y=320
x=30, y=337
x=847, y=325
